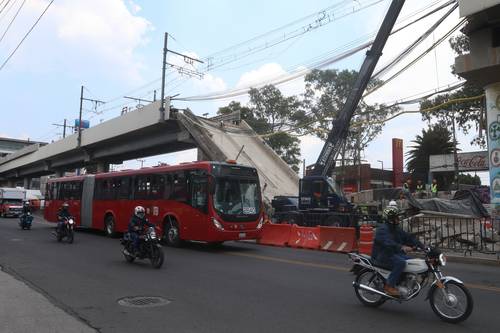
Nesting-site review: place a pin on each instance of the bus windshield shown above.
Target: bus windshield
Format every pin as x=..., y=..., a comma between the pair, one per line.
x=237, y=197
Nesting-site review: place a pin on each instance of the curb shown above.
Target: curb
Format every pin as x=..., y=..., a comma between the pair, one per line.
x=474, y=261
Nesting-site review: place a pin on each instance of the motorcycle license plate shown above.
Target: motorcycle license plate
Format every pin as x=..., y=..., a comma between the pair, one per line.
x=242, y=235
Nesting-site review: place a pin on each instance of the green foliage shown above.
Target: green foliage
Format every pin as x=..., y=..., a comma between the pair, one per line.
x=468, y=115
x=467, y=179
x=270, y=113
x=325, y=96
x=435, y=140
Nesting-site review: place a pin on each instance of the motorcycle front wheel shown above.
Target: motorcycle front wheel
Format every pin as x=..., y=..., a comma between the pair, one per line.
x=70, y=236
x=372, y=280
x=453, y=303
x=157, y=257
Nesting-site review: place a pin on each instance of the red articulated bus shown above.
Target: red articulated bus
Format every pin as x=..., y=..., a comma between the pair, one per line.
x=201, y=201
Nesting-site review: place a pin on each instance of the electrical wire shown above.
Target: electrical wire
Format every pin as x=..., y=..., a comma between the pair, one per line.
x=26, y=35
x=12, y=21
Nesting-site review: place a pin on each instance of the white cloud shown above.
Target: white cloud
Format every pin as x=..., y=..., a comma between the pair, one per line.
x=75, y=36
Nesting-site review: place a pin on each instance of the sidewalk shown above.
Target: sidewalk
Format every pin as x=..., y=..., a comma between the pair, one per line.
x=23, y=309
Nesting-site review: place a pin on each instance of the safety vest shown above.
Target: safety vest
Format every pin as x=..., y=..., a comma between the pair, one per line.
x=420, y=188
x=434, y=188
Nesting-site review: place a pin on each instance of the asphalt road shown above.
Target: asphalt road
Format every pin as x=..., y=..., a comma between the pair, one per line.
x=239, y=287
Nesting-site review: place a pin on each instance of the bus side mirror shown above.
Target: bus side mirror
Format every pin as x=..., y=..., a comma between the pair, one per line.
x=211, y=184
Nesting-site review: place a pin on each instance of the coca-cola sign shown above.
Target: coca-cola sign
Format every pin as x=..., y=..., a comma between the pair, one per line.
x=474, y=161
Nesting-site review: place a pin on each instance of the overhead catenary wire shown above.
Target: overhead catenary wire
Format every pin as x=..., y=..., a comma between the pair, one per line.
x=12, y=21
x=300, y=72
x=26, y=35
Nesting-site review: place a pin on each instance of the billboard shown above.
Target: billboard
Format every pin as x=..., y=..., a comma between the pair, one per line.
x=473, y=161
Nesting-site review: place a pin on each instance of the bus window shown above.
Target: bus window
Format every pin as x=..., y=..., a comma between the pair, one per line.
x=180, y=187
x=168, y=186
x=199, y=196
x=157, y=187
x=123, y=188
x=142, y=187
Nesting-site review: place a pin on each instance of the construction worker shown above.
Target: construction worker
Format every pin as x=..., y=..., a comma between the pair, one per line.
x=407, y=186
x=434, y=188
x=420, y=189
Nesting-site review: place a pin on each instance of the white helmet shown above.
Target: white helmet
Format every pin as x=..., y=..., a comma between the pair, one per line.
x=139, y=211
x=392, y=203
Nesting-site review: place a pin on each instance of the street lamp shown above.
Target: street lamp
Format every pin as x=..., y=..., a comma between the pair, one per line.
x=382, y=172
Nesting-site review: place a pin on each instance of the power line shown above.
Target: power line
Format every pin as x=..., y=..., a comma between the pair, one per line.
x=12, y=21
x=5, y=5
x=27, y=34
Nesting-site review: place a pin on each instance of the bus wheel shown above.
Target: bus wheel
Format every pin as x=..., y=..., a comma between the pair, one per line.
x=171, y=233
x=109, y=226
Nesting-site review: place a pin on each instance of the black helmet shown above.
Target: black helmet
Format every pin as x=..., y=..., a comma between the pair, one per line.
x=391, y=213
x=26, y=203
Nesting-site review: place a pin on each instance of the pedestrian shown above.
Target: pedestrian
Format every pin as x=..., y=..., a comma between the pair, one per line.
x=420, y=189
x=434, y=188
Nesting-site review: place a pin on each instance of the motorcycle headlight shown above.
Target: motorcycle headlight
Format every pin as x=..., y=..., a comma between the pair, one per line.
x=70, y=221
x=442, y=260
x=261, y=223
x=152, y=234
x=217, y=224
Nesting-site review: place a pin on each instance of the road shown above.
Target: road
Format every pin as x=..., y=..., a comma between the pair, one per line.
x=239, y=287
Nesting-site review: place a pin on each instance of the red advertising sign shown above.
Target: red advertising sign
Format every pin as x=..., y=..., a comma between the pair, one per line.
x=397, y=162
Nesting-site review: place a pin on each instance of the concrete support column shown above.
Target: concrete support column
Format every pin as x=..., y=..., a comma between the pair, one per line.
x=492, y=92
x=102, y=167
x=59, y=173
x=27, y=183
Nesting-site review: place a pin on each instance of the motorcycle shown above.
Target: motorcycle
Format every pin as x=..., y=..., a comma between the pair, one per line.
x=149, y=248
x=449, y=299
x=66, y=230
x=25, y=221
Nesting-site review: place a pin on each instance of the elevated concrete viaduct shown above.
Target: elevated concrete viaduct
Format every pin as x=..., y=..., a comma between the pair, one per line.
x=143, y=133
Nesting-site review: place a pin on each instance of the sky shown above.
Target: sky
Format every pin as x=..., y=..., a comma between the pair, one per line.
x=114, y=48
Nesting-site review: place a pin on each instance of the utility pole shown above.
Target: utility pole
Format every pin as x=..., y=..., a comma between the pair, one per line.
x=163, y=70
x=96, y=101
x=64, y=128
x=455, y=154
x=142, y=162
x=382, y=172
x=187, y=59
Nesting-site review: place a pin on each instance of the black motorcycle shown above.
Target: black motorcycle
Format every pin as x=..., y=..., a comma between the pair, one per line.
x=25, y=221
x=66, y=230
x=450, y=300
x=149, y=248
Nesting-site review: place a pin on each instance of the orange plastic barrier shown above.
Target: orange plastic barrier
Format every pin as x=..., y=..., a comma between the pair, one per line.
x=275, y=234
x=304, y=237
x=365, y=239
x=337, y=239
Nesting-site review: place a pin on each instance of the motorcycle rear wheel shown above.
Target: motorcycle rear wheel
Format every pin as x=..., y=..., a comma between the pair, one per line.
x=450, y=307
x=371, y=279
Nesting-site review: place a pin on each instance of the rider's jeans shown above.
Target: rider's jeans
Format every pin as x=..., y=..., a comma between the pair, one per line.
x=398, y=264
x=135, y=240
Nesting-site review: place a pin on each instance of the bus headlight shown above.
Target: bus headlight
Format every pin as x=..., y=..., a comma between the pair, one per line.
x=261, y=223
x=217, y=224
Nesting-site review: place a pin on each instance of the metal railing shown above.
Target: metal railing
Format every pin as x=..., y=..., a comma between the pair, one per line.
x=458, y=234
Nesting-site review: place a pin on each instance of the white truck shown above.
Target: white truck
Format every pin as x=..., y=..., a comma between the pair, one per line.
x=11, y=201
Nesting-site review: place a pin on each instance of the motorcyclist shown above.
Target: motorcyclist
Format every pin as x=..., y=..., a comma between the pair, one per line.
x=138, y=222
x=390, y=247
x=62, y=215
x=26, y=210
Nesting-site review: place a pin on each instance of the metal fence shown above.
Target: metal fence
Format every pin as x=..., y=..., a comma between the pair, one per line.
x=458, y=234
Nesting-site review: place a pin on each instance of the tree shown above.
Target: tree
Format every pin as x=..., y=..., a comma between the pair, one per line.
x=468, y=114
x=270, y=113
x=436, y=140
x=467, y=179
x=325, y=95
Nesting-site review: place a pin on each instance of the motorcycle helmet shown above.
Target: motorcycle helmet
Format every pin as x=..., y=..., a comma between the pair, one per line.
x=26, y=203
x=140, y=212
x=391, y=214
x=65, y=206
x=392, y=203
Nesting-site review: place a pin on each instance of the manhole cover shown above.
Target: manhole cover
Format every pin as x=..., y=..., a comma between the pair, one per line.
x=143, y=301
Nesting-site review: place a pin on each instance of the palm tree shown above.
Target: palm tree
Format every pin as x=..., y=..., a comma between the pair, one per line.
x=435, y=140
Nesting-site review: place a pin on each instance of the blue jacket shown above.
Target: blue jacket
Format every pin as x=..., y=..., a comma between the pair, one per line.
x=388, y=242
x=138, y=225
